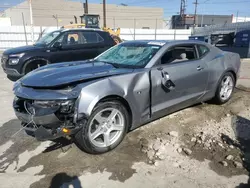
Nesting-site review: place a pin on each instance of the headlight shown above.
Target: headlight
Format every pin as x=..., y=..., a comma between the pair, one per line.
x=46, y=104
x=66, y=106
x=14, y=58
x=13, y=61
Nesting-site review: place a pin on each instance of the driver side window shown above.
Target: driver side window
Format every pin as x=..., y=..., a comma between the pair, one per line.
x=179, y=53
x=70, y=38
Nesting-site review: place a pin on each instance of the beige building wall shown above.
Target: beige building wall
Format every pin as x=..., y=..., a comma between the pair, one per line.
x=117, y=15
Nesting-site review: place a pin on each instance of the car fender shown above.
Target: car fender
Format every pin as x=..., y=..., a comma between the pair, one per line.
x=93, y=93
x=133, y=88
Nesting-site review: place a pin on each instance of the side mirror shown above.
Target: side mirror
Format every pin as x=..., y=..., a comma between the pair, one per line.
x=57, y=45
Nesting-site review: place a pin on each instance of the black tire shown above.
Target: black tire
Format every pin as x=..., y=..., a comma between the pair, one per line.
x=30, y=133
x=30, y=68
x=34, y=65
x=217, y=98
x=82, y=139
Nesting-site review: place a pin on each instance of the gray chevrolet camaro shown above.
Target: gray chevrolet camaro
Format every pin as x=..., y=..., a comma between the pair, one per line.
x=98, y=101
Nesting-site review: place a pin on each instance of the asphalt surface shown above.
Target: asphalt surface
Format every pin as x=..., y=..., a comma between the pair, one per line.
x=25, y=162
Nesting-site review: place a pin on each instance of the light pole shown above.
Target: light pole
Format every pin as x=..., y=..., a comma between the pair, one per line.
x=202, y=16
x=31, y=21
x=195, y=11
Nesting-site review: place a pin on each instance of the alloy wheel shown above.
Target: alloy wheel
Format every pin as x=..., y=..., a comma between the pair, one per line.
x=106, y=127
x=226, y=90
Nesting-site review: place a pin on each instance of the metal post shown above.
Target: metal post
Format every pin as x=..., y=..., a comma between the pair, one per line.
x=195, y=12
x=31, y=21
x=134, y=27
x=237, y=16
x=156, y=29
x=174, y=34
x=104, y=13
x=24, y=28
x=237, y=21
x=202, y=20
x=56, y=21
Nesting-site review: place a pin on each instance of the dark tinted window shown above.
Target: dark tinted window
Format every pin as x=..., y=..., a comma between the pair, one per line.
x=91, y=37
x=70, y=38
x=203, y=50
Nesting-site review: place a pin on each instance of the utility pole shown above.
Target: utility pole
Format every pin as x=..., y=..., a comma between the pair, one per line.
x=183, y=12
x=195, y=12
x=104, y=13
x=31, y=21
x=86, y=7
x=24, y=28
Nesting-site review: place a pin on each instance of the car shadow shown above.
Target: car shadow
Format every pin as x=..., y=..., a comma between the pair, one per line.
x=241, y=127
x=64, y=180
x=59, y=143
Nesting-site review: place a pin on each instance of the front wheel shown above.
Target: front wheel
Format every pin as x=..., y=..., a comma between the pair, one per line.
x=225, y=88
x=105, y=129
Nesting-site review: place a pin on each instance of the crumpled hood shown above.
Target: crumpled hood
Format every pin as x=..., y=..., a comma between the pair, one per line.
x=22, y=49
x=60, y=74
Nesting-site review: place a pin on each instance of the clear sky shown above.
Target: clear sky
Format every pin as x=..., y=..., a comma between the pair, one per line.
x=222, y=7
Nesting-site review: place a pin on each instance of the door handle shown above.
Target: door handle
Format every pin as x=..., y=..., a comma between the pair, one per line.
x=199, y=68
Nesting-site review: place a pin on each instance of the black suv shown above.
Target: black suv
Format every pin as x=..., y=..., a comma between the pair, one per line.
x=57, y=46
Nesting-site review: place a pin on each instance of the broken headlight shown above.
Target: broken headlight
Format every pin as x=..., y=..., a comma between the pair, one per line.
x=65, y=106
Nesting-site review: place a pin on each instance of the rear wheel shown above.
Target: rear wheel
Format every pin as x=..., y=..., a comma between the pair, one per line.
x=105, y=129
x=225, y=88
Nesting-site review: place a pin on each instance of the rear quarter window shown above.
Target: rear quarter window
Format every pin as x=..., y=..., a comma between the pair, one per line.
x=202, y=50
x=91, y=37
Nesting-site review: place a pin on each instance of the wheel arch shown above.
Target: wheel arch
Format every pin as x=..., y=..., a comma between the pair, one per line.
x=88, y=102
x=120, y=99
x=30, y=61
x=231, y=71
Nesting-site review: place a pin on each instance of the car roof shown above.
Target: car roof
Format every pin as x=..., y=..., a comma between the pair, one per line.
x=166, y=42
x=80, y=29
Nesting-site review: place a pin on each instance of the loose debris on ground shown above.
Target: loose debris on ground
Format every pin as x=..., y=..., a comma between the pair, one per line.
x=217, y=139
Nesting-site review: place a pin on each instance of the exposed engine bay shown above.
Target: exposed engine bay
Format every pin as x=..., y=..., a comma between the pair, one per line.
x=46, y=119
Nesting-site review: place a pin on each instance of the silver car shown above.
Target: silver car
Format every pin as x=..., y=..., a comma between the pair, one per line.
x=98, y=101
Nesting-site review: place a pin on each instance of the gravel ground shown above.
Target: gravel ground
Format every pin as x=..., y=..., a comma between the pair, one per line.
x=199, y=147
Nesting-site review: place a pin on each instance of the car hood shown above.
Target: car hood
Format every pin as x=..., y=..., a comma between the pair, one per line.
x=62, y=74
x=22, y=49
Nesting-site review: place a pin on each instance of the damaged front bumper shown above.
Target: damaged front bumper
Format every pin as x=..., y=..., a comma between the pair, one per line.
x=47, y=120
